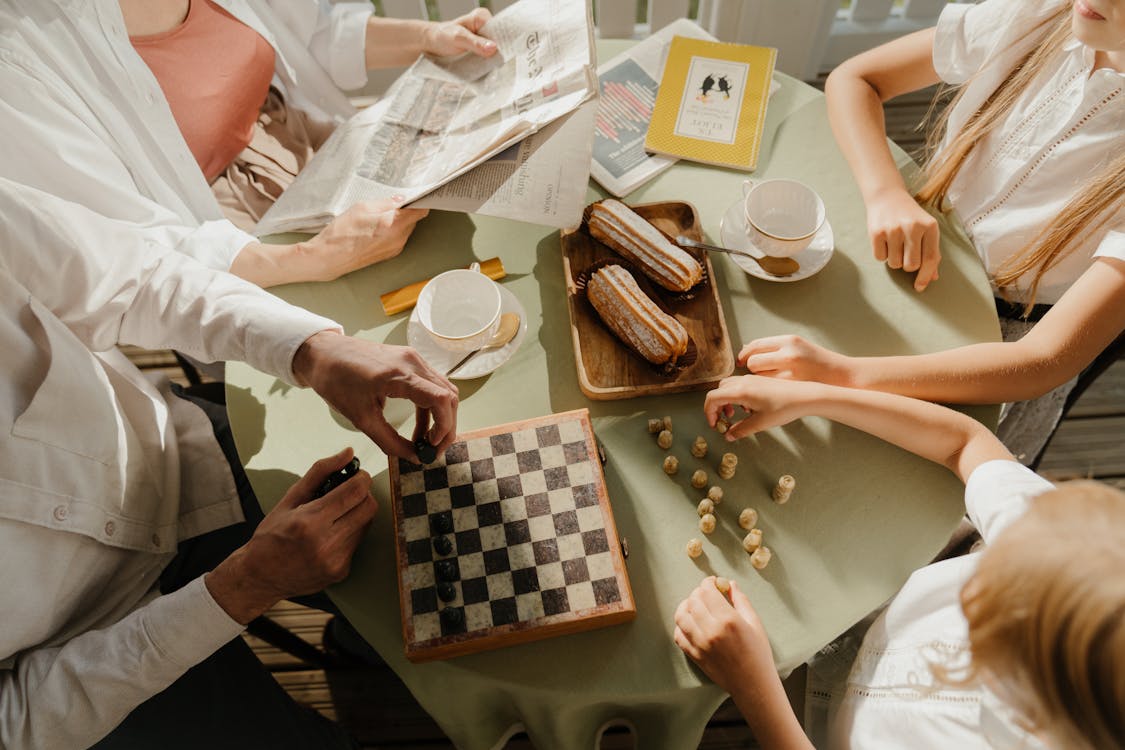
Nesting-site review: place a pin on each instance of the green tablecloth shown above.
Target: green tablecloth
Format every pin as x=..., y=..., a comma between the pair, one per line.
x=863, y=516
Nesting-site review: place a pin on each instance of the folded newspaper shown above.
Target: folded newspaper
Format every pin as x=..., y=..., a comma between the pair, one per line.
x=469, y=133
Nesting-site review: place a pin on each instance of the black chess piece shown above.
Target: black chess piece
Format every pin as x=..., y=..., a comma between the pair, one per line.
x=427, y=453
x=452, y=617
x=337, y=478
x=446, y=591
x=442, y=545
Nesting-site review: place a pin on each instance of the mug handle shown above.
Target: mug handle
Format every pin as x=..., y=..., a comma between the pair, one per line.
x=747, y=186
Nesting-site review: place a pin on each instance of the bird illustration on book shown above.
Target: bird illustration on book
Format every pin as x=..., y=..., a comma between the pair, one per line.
x=705, y=89
x=724, y=86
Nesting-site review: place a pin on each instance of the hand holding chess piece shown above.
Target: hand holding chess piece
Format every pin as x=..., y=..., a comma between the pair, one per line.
x=357, y=377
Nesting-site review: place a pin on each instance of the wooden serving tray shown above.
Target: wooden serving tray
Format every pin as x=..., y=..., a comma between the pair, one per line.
x=609, y=370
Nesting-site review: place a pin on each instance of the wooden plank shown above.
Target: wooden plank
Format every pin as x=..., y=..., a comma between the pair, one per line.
x=1105, y=396
x=1087, y=447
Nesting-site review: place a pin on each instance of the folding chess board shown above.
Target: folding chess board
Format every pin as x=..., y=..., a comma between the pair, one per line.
x=508, y=537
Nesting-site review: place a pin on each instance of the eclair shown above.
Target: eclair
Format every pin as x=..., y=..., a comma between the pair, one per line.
x=634, y=317
x=624, y=231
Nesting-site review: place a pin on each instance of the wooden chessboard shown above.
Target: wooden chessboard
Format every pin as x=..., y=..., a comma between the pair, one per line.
x=531, y=549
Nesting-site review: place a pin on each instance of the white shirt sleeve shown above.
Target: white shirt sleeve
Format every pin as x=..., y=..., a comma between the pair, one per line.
x=998, y=493
x=110, y=282
x=58, y=152
x=970, y=35
x=335, y=34
x=75, y=694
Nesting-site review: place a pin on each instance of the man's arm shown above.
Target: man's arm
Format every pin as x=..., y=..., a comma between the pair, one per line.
x=111, y=283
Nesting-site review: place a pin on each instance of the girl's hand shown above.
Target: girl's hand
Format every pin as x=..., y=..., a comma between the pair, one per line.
x=903, y=235
x=368, y=232
x=459, y=35
x=793, y=358
x=766, y=401
x=725, y=638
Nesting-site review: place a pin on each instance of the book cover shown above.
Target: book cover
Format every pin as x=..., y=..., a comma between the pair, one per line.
x=711, y=103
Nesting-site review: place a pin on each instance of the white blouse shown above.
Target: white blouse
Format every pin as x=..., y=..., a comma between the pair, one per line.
x=891, y=699
x=1060, y=132
x=82, y=116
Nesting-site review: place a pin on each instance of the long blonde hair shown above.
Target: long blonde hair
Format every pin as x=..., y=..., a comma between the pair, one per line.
x=1087, y=212
x=1046, y=612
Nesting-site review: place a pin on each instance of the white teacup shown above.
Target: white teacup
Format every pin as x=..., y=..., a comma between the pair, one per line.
x=460, y=309
x=782, y=216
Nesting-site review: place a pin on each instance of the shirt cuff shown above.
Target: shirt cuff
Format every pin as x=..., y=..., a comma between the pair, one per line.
x=998, y=493
x=188, y=625
x=344, y=44
x=215, y=244
x=274, y=353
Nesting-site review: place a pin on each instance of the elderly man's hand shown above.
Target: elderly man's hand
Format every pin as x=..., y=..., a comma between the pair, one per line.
x=301, y=546
x=357, y=377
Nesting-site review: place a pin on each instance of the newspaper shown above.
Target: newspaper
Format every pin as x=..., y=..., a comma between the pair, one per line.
x=628, y=86
x=443, y=118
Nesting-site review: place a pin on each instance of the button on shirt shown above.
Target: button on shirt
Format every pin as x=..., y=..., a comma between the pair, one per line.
x=92, y=462
x=1061, y=131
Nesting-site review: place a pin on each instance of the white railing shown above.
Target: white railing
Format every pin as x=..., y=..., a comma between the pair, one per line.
x=811, y=36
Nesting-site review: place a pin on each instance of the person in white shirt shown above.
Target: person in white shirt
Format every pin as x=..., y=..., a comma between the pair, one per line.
x=102, y=476
x=1016, y=646
x=1032, y=161
x=85, y=117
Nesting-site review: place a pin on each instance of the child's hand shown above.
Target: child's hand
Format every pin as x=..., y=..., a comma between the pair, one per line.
x=794, y=358
x=903, y=235
x=766, y=401
x=725, y=639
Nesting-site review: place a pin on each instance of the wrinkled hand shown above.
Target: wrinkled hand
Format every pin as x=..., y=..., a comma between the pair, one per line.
x=794, y=358
x=767, y=403
x=459, y=35
x=368, y=232
x=356, y=378
x=301, y=546
x=904, y=236
x=725, y=638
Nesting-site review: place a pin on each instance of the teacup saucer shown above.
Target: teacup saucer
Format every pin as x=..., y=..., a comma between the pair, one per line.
x=732, y=233
x=482, y=364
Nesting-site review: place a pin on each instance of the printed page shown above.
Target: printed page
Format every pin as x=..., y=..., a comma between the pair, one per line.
x=441, y=118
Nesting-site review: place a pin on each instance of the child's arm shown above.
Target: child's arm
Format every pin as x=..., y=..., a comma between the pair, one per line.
x=1090, y=315
x=727, y=641
x=902, y=233
x=934, y=432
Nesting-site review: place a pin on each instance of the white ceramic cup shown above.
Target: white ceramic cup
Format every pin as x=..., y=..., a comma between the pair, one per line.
x=460, y=309
x=782, y=216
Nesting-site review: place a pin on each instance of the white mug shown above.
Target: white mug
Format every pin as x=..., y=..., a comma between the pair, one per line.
x=460, y=309
x=782, y=216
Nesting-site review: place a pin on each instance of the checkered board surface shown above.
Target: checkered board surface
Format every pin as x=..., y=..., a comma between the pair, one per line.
x=534, y=542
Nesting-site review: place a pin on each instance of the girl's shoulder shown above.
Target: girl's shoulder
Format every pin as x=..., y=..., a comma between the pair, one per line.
x=994, y=32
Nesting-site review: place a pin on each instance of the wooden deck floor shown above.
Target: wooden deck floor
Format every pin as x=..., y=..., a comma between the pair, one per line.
x=380, y=712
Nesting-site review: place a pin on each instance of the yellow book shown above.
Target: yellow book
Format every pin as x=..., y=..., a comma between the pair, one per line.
x=712, y=102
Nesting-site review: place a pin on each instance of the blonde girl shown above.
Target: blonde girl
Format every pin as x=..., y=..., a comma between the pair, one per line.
x=1019, y=646
x=1030, y=155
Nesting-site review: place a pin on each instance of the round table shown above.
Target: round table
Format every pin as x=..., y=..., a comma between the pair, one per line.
x=863, y=516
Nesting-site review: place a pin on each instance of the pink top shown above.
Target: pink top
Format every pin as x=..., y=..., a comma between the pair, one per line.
x=215, y=72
